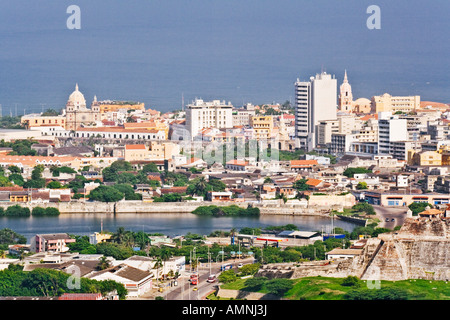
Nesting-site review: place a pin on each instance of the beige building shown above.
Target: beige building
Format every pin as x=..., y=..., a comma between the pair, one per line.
x=163, y=150
x=136, y=152
x=77, y=113
x=425, y=158
x=262, y=127
x=37, y=120
x=388, y=103
x=115, y=106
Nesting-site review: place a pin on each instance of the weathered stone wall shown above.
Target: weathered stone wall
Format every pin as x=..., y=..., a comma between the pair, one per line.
x=163, y=207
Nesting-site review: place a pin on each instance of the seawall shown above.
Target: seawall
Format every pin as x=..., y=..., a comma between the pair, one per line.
x=122, y=207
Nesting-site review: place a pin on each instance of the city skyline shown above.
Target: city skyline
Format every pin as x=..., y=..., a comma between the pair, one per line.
x=159, y=53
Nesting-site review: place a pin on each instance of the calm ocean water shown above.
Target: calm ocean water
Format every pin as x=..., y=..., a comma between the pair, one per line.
x=159, y=51
x=170, y=224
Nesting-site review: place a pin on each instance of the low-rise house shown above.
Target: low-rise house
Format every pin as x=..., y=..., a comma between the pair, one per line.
x=237, y=165
x=55, y=242
x=219, y=196
x=303, y=165
x=136, y=281
x=339, y=253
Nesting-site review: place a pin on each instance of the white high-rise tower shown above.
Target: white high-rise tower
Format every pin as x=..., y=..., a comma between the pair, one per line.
x=315, y=101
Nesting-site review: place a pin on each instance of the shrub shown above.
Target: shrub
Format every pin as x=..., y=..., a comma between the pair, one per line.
x=17, y=211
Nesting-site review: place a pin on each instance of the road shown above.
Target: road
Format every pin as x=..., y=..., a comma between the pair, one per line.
x=185, y=290
x=383, y=213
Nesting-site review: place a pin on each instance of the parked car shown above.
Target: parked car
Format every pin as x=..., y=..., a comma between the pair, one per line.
x=240, y=265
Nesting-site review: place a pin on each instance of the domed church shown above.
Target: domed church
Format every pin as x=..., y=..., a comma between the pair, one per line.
x=77, y=113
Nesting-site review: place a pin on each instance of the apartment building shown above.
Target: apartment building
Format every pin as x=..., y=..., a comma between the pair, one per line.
x=389, y=103
x=315, y=101
x=213, y=114
x=262, y=127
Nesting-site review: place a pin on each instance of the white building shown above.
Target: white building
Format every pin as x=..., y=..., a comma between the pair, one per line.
x=315, y=101
x=213, y=114
x=390, y=129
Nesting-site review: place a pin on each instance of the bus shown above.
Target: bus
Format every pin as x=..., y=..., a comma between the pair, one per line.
x=193, y=279
x=226, y=266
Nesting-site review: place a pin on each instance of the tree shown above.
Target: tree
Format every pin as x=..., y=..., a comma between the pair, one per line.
x=150, y=167
x=17, y=179
x=227, y=276
x=55, y=185
x=361, y=185
x=103, y=263
x=8, y=236
x=36, y=180
x=349, y=172
x=5, y=182
x=128, y=191
x=279, y=287
x=417, y=207
x=106, y=194
x=300, y=185
x=14, y=169
x=255, y=284
x=165, y=255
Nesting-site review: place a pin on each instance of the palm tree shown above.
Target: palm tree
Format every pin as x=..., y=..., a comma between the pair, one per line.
x=200, y=186
x=119, y=235
x=165, y=255
x=103, y=263
x=128, y=239
x=157, y=265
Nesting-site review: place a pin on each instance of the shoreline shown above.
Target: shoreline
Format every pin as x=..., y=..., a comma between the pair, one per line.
x=139, y=207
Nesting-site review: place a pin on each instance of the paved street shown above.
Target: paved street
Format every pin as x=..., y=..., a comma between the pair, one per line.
x=185, y=291
x=383, y=213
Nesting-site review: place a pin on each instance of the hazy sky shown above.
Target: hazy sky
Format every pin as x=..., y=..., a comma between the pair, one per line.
x=239, y=51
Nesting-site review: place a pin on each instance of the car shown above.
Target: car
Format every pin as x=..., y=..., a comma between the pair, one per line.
x=392, y=220
x=211, y=278
x=387, y=220
x=240, y=265
x=195, y=289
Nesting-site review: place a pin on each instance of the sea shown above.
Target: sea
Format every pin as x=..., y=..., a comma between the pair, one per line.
x=167, y=53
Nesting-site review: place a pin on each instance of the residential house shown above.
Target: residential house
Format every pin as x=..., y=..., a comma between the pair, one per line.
x=55, y=242
x=303, y=165
x=136, y=281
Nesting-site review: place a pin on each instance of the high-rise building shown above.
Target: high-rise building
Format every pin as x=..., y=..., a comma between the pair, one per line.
x=315, y=101
x=214, y=114
x=390, y=129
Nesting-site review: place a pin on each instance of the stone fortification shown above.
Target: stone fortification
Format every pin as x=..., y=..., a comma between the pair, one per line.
x=419, y=250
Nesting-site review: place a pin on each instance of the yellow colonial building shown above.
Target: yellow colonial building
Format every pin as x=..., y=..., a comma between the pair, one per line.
x=38, y=120
x=388, y=103
x=425, y=158
x=262, y=127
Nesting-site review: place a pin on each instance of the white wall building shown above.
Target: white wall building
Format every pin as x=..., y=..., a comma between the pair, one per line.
x=213, y=114
x=389, y=130
x=315, y=101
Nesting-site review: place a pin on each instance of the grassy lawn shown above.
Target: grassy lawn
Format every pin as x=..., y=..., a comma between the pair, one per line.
x=323, y=288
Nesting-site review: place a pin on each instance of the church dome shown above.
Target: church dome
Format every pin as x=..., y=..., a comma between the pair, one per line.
x=362, y=102
x=77, y=98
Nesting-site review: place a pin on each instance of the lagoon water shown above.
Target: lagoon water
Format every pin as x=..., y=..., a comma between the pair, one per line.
x=172, y=224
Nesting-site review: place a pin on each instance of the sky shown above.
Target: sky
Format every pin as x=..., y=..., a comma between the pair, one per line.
x=165, y=52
